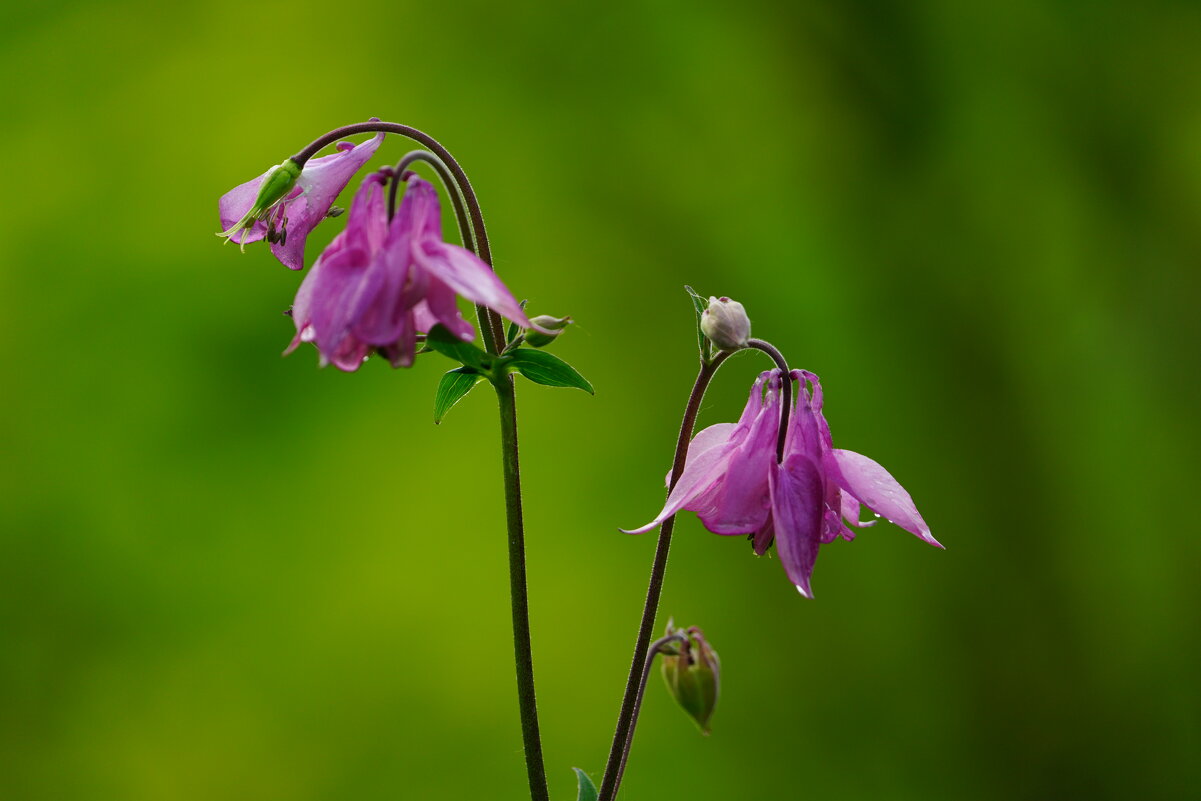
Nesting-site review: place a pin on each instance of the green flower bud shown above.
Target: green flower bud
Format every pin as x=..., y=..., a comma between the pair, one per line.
x=551, y=328
x=277, y=185
x=726, y=324
x=692, y=672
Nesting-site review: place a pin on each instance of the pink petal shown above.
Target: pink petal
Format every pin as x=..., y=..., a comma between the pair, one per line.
x=322, y=179
x=803, y=428
x=336, y=291
x=348, y=356
x=796, y=497
x=872, y=485
x=379, y=315
x=457, y=267
x=814, y=425
x=423, y=317
x=467, y=275
x=850, y=512
x=302, y=306
x=233, y=207
x=711, y=437
x=440, y=300
x=698, y=477
x=764, y=536
x=743, y=504
x=403, y=351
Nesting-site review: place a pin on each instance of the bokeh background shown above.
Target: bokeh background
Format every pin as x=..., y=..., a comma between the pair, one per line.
x=224, y=574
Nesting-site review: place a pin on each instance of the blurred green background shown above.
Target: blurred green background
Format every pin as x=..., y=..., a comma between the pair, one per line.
x=228, y=575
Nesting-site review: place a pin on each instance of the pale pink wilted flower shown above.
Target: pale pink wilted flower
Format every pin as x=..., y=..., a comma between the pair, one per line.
x=246, y=216
x=381, y=282
x=734, y=482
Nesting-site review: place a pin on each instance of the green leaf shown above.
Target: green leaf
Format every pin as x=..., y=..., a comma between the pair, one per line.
x=587, y=788
x=466, y=353
x=699, y=304
x=452, y=388
x=545, y=368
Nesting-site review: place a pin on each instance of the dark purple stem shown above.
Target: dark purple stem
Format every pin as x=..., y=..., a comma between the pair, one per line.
x=448, y=182
x=651, y=653
x=518, y=594
x=785, y=393
x=476, y=237
x=493, y=331
x=619, y=751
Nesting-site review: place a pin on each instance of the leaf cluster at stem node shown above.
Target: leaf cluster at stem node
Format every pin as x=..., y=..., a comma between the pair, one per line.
x=536, y=365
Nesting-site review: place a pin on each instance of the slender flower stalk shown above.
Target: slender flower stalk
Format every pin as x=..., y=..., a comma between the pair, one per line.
x=623, y=735
x=474, y=238
x=785, y=391
x=651, y=653
x=448, y=183
x=518, y=594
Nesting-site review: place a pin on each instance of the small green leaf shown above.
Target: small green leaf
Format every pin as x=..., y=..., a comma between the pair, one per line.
x=546, y=368
x=451, y=346
x=699, y=304
x=452, y=388
x=587, y=788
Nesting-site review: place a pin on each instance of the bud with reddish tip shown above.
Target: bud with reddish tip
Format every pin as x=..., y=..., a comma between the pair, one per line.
x=725, y=324
x=548, y=328
x=693, y=673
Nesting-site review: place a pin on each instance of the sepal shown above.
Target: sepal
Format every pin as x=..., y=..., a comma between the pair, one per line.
x=692, y=674
x=699, y=304
x=546, y=330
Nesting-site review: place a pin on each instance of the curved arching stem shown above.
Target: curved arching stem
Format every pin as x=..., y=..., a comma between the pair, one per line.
x=785, y=392
x=651, y=653
x=448, y=182
x=622, y=737
x=475, y=237
x=493, y=331
x=627, y=719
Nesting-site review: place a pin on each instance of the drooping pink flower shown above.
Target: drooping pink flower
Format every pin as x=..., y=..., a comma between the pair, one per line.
x=380, y=283
x=286, y=221
x=734, y=482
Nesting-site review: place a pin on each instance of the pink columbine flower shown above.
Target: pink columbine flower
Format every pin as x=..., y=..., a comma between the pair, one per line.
x=255, y=210
x=380, y=283
x=734, y=482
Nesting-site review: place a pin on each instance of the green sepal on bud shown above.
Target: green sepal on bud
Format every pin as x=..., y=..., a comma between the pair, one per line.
x=540, y=339
x=692, y=672
x=725, y=324
x=277, y=185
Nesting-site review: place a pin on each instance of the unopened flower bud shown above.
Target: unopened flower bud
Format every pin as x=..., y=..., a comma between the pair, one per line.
x=275, y=187
x=551, y=328
x=693, y=674
x=726, y=324
x=278, y=184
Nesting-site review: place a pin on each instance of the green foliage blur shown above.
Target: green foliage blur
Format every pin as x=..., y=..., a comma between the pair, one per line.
x=227, y=575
